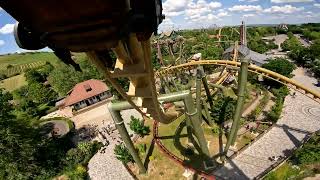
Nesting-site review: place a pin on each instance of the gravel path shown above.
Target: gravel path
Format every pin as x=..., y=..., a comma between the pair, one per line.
x=300, y=117
x=302, y=41
x=278, y=39
x=105, y=166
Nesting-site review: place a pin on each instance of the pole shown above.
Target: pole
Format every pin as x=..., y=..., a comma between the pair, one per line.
x=198, y=98
x=206, y=110
x=192, y=113
x=164, y=81
x=126, y=138
x=240, y=101
x=206, y=88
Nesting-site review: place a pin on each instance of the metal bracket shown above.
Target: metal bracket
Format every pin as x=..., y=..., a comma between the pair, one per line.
x=118, y=123
x=191, y=114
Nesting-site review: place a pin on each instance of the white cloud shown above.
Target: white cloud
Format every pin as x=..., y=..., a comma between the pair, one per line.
x=223, y=14
x=175, y=7
x=249, y=15
x=248, y=0
x=287, y=9
x=212, y=17
x=290, y=1
x=2, y=42
x=317, y=5
x=245, y=8
x=190, y=8
x=166, y=25
x=172, y=14
x=7, y=29
x=214, y=5
x=201, y=7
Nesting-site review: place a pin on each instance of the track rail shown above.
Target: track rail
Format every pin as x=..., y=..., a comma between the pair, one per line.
x=252, y=68
x=174, y=157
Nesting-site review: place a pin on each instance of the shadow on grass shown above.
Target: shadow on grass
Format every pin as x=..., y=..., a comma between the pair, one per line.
x=193, y=156
x=149, y=153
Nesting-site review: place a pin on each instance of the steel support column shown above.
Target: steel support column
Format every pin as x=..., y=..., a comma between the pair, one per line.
x=193, y=122
x=126, y=138
x=240, y=101
x=196, y=124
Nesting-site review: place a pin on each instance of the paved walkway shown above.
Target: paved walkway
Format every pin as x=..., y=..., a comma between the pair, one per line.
x=300, y=117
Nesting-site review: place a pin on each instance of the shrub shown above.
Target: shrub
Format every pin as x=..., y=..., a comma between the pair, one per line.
x=142, y=148
x=309, y=153
x=151, y=158
x=276, y=109
x=215, y=129
x=82, y=154
x=122, y=153
x=136, y=125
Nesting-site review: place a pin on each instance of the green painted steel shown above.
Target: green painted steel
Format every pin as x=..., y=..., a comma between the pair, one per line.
x=196, y=124
x=125, y=136
x=198, y=99
x=193, y=123
x=206, y=87
x=240, y=101
x=206, y=110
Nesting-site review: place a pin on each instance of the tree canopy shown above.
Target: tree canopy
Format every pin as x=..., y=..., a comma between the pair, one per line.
x=281, y=66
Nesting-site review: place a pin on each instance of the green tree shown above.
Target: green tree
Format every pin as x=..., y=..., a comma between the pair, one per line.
x=41, y=94
x=258, y=45
x=223, y=109
x=63, y=78
x=136, y=125
x=291, y=44
x=309, y=153
x=33, y=76
x=281, y=66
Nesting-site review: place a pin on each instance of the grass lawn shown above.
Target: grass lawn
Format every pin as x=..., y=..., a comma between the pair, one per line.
x=244, y=140
x=160, y=166
x=13, y=83
x=283, y=172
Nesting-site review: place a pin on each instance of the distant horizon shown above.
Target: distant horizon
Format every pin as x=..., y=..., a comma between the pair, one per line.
x=197, y=14
x=22, y=51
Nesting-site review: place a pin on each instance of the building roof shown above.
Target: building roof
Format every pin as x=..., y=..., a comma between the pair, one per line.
x=85, y=90
x=248, y=54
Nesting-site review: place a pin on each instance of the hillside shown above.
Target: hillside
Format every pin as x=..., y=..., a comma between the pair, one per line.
x=26, y=58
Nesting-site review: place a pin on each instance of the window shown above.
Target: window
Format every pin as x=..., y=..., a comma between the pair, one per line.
x=87, y=87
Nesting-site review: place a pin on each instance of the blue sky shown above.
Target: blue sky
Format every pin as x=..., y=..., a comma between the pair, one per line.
x=185, y=14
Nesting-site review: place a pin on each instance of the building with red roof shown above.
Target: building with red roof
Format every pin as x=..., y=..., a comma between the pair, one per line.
x=85, y=94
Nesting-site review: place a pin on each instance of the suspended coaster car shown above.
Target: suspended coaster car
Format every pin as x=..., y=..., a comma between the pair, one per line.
x=81, y=25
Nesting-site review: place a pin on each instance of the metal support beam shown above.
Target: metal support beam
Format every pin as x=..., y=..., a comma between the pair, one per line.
x=206, y=109
x=205, y=85
x=193, y=122
x=164, y=81
x=240, y=101
x=196, y=124
x=198, y=98
x=126, y=138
